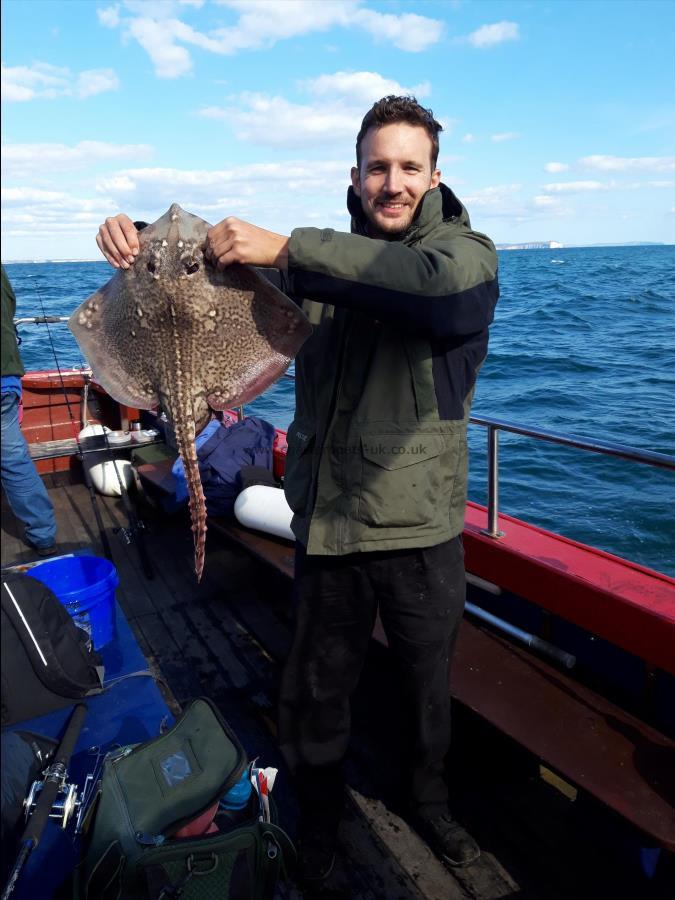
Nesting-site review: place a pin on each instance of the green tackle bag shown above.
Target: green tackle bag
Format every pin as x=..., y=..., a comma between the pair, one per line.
x=150, y=791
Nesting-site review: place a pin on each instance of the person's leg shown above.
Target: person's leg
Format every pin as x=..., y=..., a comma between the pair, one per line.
x=334, y=617
x=24, y=488
x=421, y=595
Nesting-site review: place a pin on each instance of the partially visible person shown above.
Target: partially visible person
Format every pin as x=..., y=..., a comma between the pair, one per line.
x=24, y=488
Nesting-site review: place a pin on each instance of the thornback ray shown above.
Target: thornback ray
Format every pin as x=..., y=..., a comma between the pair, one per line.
x=173, y=331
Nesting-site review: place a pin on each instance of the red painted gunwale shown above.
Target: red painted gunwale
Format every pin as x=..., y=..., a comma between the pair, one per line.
x=624, y=603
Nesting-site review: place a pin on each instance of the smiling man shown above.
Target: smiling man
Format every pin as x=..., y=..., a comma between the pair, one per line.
x=395, y=167
x=376, y=472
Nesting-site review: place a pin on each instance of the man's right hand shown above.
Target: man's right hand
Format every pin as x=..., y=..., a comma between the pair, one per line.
x=117, y=240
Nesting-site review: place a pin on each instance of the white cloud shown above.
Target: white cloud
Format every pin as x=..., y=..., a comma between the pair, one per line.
x=275, y=121
x=110, y=16
x=468, y=139
x=624, y=164
x=158, y=9
x=158, y=39
x=554, y=167
x=504, y=136
x=552, y=205
x=362, y=87
x=497, y=33
x=544, y=200
x=27, y=198
x=580, y=187
x=27, y=160
x=44, y=81
x=407, y=32
x=256, y=185
x=492, y=198
x=15, y=93
x=275, y=195
x=544, y=205
x=261, y=23
x=576, y=187
x=96, y=81
x=25, y=83
x=12, y=196
x=34, y=213
x=264, y=22
x=506, y=202
x=334, y=117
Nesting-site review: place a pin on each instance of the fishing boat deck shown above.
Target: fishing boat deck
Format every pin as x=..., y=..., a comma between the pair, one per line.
x=226, y=638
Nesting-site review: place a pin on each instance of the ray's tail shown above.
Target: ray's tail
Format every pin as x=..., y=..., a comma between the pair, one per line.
x=184, y=429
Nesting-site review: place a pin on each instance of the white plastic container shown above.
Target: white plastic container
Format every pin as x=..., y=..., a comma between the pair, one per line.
x=264, y=508
x=118, y=438
x=143, y=435
x=101, y=467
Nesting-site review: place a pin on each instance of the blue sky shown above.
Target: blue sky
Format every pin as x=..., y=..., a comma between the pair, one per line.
x=559, y=116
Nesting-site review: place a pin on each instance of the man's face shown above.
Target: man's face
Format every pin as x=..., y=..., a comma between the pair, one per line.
x=394, y=176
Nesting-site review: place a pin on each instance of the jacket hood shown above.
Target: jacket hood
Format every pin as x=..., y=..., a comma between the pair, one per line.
x=438, y=203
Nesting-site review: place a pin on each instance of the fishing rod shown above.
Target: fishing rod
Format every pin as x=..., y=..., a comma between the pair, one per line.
x=87, y=479
x=136, y=528
x=55, y=780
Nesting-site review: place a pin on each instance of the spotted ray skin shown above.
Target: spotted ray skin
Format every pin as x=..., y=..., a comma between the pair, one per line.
x=173, y=331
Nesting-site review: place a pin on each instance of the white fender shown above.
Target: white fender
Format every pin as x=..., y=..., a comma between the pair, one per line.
x=264, y=508
x=101, y=468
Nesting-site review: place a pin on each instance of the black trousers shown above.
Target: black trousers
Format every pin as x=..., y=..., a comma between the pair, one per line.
x=420, y=596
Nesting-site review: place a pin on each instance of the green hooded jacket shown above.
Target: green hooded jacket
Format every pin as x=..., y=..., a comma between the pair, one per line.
x=377, y=452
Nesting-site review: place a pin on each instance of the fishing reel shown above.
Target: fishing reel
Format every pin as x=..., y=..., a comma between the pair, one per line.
x=67, y=802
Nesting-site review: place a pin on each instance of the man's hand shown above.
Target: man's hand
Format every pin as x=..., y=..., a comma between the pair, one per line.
x=234, y=241
x=117, y=240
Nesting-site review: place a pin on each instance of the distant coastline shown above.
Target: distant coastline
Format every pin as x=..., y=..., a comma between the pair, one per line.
x=557, y=245
x=527, y=245
x=41, y=262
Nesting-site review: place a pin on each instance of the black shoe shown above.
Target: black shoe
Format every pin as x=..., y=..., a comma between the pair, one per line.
x=43, y=551
x=449, y=841
x=316, y=858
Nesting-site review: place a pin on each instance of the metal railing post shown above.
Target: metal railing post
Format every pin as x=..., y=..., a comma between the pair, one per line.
x=493, y=483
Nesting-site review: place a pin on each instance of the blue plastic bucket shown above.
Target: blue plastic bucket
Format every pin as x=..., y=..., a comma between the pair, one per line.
x=86, y=587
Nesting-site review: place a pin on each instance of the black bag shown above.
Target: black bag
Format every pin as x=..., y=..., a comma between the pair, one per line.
x=150, y=790
x=46, y=662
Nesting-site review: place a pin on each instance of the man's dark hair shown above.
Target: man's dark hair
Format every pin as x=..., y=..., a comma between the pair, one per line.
x=393, y=109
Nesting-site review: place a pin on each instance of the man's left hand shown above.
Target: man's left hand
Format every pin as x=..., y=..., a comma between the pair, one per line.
x=234, y=241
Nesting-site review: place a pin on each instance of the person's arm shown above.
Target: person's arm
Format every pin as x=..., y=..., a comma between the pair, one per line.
x=236, y=241
x=444, y=288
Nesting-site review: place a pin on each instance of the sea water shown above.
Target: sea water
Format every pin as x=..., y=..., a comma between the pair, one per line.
x=583, y=343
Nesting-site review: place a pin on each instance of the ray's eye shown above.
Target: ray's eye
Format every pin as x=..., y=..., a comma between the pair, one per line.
x=191, y=267
x=152, y=267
